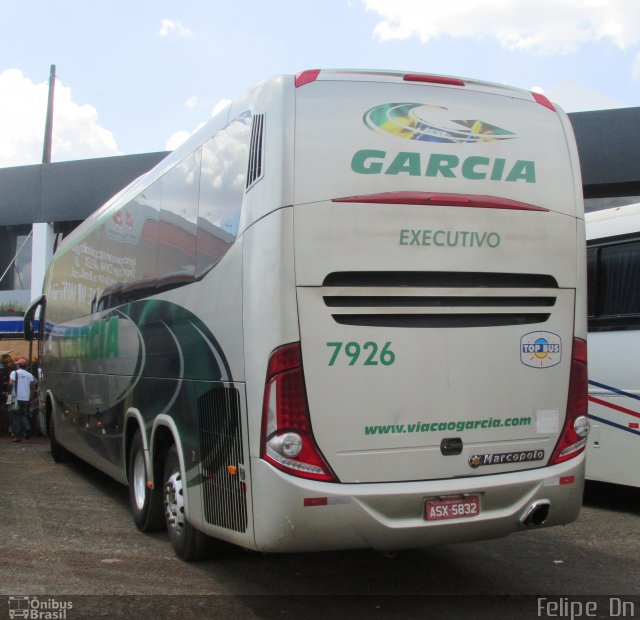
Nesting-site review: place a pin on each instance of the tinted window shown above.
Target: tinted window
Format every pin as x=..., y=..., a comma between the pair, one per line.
x=177, y=223
x=618, y=291
x=614, y=295
x=222, y=180
x=592, y=264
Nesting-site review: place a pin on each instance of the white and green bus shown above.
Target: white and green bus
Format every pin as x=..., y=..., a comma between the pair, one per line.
x=350, y=312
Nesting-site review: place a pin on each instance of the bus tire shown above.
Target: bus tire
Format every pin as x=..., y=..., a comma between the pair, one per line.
x=188, y=542
x=146, y=503
x=58, y=453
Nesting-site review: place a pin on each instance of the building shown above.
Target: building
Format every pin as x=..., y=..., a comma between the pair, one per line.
x=39, y=204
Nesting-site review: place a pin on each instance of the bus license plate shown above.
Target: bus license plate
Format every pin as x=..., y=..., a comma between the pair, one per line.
x=452, y=508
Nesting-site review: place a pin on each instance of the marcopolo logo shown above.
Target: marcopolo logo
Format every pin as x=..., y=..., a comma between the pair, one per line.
x=430, y=123
x=540, y=349
x=503, y=458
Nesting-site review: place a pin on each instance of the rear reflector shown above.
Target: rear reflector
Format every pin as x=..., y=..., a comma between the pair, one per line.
x=306, y=77
x=433, y=79
x=316, y=501
x=444, y=200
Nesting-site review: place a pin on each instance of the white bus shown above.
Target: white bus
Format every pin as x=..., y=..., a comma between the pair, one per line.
x=613, y=258
x=349, y=312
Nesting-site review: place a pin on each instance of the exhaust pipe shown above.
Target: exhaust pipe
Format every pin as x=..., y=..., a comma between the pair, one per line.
x=536, y=514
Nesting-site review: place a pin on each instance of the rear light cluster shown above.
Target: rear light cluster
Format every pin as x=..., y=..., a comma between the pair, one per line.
x=542, y=100
x=287, y=439
x=306, y=77
x=573, y=439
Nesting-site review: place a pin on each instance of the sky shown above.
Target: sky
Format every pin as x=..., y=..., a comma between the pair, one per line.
x=139, y=76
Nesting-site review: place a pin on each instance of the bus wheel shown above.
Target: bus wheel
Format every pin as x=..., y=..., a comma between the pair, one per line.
x=146, y=503
x=188, y=542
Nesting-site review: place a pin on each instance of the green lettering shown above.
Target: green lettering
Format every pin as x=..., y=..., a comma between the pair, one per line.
x=360, y=162
x=405, y=162
x=442, y=164
x=94, y=340
x=524, y=170
x=111, y=345
x=498, y=169
x=76, y=349
x=84, y=341
x=404, y=233
x=479, y=239
x=469, y=165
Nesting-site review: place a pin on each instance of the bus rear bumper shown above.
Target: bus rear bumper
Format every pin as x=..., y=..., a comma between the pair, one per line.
x=293, y=514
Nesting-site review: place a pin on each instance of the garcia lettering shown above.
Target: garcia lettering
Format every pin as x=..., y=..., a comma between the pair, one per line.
x=474, y=168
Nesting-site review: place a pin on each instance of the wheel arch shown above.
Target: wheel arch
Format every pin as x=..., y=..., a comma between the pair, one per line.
x=45, y=425
x=133, y=421
x=163, y=435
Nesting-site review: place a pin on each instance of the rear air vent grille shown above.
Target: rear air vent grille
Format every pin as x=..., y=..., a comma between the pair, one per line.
x=255, y=170
x=439, y=299
x=440, y=279
x=224, y=495
x=436, y=321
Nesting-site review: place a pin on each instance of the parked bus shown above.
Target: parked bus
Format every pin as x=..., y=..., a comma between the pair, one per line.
x=349, y=312
x=613, y=259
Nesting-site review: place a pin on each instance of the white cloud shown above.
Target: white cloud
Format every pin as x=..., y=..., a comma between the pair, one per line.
x=23, y=106
x=221, y=105
x=192, y=102
x=540, y=26
x=177, y=138
x=173, y=26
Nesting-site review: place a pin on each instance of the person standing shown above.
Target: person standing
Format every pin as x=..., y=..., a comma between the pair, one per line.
x=5, y=368
x=20, y=381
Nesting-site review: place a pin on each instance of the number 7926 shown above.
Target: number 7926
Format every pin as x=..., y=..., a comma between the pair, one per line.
x=368, y=354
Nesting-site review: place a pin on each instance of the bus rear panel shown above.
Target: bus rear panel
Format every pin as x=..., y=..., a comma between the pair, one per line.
x=437, y=238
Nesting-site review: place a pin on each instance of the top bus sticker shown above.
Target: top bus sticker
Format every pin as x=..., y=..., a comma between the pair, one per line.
x=540, y=349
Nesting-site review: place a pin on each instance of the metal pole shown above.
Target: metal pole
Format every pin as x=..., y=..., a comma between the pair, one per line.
x=48, y=130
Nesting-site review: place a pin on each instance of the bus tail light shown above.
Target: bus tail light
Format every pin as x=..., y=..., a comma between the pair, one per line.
x=306, y=77
x=433, y=79
x=543, y=101
x=287, y=438
x=573, y=439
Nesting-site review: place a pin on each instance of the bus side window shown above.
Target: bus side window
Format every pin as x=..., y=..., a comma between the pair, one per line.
x=592, y=281
x=222, y=181
x=177, y=223
x=618, y=277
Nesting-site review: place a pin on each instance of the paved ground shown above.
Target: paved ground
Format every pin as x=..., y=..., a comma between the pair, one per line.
x=67, y=531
